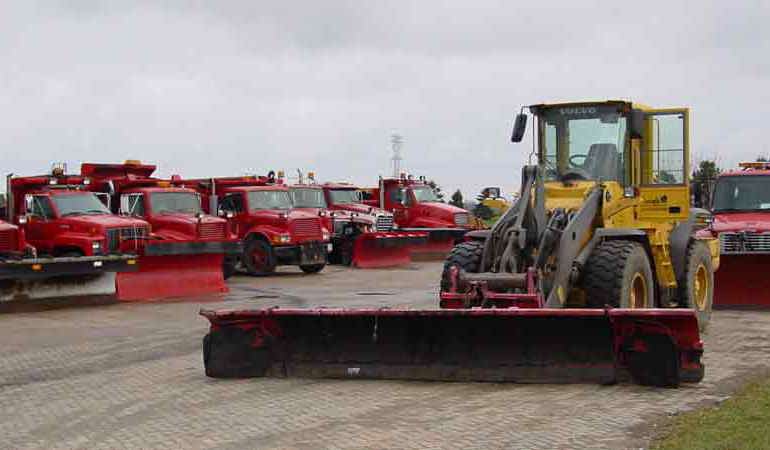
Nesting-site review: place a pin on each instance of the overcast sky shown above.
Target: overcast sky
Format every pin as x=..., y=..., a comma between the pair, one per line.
x=207, y=88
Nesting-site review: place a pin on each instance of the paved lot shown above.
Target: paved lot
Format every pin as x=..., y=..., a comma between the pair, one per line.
x=130, y=376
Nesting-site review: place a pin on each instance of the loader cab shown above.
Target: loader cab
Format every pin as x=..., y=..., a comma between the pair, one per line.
x=638, y=153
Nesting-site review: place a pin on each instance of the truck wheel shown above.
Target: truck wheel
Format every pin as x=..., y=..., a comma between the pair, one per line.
x=618, y=274
x=228, y=267
x=312, y=268
x=697, y=287
x=466, y=256
x=258, y=257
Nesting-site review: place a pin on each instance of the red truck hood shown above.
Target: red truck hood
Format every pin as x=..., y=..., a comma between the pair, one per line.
x=6, y=226
x=104, y=220
x=742, y=221
x=439, y=210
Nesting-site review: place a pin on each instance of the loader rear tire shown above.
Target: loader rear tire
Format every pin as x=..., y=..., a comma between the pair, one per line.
x=258, y=257
x=618, y=274
x=466, y=256
x=697, y=286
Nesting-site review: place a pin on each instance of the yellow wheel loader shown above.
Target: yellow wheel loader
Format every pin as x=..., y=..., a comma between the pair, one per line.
x=594, y=274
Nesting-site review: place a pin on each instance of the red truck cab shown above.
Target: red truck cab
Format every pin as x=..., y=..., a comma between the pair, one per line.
x=346, y=198
x=261, y=214
x=60, y=218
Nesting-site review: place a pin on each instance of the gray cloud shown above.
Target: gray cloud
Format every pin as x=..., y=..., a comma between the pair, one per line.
x=218, y=88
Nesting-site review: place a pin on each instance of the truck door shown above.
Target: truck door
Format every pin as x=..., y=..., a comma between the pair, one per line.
x=40, y=228
x=664, y=166
x=396, y=198
x=232, y=209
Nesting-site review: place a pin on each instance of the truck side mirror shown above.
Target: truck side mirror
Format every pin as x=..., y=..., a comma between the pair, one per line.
x=29, y=204
x=519, y=127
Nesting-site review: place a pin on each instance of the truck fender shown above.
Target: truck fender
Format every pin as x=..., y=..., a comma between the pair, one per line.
x=73, y=241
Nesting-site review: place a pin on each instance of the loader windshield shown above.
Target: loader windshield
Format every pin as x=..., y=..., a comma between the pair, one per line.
x=742, y=193
x=584, y=142
x=175, y=202
x=79, y=204
x=269, y=200
x=308, y=198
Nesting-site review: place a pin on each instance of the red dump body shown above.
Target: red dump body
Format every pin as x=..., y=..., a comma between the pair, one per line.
x=416, y=208
x=741, y=220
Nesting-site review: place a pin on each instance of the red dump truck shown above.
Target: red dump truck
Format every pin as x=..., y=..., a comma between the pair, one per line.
x=190, y=252
x=416, y=207
x=67, y=244
x=362, y=236
x=259, y=211
x=741, y=220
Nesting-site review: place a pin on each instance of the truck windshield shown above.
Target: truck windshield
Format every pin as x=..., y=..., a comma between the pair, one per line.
x=175, y=202
x=344, y=196
x=79, y=204
x=269, y=200
x=742, y=193
x=425, y=194
x=583, y=142
x=308, y=198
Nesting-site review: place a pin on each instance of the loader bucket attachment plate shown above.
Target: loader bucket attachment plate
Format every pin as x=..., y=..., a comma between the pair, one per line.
x=172, y=276
x=385, y=249
x=498, y=345
x=742, y=282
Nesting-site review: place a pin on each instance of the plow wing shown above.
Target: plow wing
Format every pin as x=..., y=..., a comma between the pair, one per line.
x=438, y=244
x=385, y=249
x=654, y=347
x=173, y=269
x=742, y=281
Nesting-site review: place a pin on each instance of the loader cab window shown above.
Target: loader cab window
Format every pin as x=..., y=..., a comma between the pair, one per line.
x=232, y=203
x=583, y=143
x=664, y=154
x=41, y=207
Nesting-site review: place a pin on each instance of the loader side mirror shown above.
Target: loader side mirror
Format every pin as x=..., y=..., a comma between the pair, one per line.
x=519, y=127
x=637, y=124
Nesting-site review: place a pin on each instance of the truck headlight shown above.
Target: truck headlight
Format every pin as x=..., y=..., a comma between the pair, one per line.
x=325, y=236
x=284, y=238
x=96, y=245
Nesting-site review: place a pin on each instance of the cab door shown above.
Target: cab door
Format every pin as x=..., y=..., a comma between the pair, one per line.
x=41, y=228
x=665, y=152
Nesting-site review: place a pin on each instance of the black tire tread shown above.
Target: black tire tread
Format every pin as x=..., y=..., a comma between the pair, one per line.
x=466, y=256
x=603, y=274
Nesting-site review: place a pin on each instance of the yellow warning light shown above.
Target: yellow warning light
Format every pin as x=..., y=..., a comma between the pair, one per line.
x=761, y=165
x=164, y=184
x=131, y=262
x=132, y=162
x=37, y=267
x=280, y=174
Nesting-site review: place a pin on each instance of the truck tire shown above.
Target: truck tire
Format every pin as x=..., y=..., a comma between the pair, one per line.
x=466, y=256
x=696, y=289
x=258, y=257
x=312, y=268
x=618, y=274
x=228, y=266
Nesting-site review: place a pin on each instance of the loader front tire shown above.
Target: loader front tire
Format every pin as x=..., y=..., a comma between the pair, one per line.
x=697, y=286
x=618, y=274
x=466, y=256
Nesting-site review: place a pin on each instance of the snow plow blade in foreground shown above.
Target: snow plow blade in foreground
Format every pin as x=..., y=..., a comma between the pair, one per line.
x=62, y=278
x=652, y=347
x=172, y=270
x=385, y=249
x=742, y=282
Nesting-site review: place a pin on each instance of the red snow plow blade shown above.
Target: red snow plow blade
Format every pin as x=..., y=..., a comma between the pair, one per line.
x=439, y=242
x=742, y=281
x=165, y=272
x=652, y=347
x=385, y=249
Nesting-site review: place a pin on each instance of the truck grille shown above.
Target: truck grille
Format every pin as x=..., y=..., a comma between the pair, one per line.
x=745, y=242
x=384, y=223
x=116, y=235
x=215, y=230
x=306, y=230
x=9, y=240
x=461, y=219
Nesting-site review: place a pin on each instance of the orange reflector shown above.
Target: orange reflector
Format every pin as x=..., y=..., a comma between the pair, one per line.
x=131, y=262
x=37, y=267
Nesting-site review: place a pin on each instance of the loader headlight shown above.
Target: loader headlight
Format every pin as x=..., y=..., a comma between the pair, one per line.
x=629, y=192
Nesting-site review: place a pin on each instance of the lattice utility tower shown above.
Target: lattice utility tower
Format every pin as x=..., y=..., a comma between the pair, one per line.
x=396, y=141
